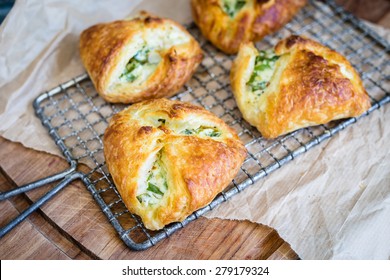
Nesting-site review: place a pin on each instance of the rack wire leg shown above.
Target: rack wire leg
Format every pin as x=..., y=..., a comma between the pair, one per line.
x=36, y=184
x=50, y=194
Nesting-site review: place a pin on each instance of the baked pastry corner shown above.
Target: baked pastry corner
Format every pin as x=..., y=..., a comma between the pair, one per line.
x=140, y=58
x=169, y=158
x=228, y=23
x=299, y=83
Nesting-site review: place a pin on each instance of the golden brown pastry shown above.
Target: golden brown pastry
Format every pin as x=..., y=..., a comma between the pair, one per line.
x=228, y=23
x=137, y=59
x=297, y=84
x=169, y=158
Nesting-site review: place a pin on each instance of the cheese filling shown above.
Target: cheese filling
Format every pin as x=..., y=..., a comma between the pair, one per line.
x=203, y=131
x=232, y=7
x=263, y=71
x=141, y=65
x=156, y=184
x=145, y=53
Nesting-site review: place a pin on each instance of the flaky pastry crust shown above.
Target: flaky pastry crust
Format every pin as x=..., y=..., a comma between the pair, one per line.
x=196, y=167
x=106, y=49
x=252, y=22
x=311, y=85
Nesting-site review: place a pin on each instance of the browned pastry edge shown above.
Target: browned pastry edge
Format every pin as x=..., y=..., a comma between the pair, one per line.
x=101, y=45
x=310, y=88
x=255, y=21
x=197, y=168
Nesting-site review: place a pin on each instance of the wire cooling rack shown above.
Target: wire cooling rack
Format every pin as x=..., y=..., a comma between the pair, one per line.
x=76, y=117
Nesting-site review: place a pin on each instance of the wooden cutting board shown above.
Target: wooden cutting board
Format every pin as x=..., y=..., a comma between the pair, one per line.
x=72, y=226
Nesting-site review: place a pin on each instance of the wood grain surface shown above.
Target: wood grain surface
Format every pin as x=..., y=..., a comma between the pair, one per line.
x=72, y=226
x=376, y=11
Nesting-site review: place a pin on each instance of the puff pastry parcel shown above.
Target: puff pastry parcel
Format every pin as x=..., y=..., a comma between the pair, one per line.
x=297, y=84
x=169, y=158
x=227, y=23
x=137, y=59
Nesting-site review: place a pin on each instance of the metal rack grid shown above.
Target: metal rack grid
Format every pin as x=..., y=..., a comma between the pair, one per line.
x=76, y=116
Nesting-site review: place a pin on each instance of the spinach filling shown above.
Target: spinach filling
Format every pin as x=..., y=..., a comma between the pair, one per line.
x=157, y=184
x=232, y=7
x=263, y=71
x=203, y=131
x=131, y=72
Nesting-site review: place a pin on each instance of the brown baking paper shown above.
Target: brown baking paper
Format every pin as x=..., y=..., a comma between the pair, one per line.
x=332, y=202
